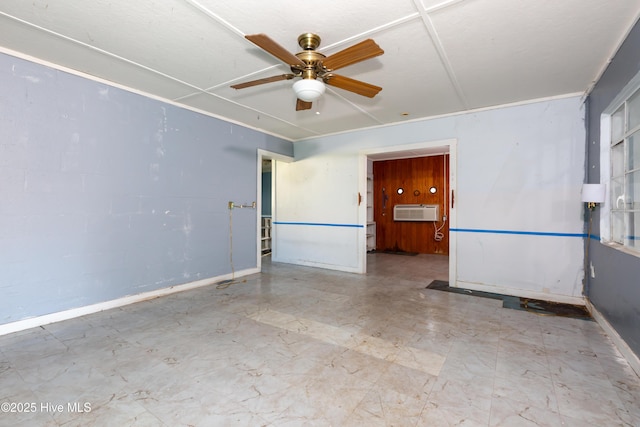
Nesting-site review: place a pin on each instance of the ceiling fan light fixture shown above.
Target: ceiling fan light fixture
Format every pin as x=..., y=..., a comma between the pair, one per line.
x=308, y=89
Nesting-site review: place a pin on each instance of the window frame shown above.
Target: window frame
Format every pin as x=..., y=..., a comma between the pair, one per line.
x=609, y=210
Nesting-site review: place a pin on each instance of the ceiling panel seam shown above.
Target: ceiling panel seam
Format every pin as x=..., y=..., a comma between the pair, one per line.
x=215, y=17
x=443, y=5
x=98, y=50
x=356, y=106
x=225, y=84
x=372, y=31
x=442, y=54
x=264, y=114
x=246, y=76
x=248, y=108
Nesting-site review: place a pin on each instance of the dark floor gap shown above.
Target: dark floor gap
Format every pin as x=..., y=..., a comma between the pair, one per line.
x=395, y=252
x=546, y=308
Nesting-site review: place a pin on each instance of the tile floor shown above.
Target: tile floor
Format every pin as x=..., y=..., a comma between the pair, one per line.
x=298, y=346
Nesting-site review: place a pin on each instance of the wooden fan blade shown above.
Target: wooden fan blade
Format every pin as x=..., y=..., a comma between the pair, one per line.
x=302, y=105
x=263, y=81
x=352, y=85
x=356, y=53
x=265, y=42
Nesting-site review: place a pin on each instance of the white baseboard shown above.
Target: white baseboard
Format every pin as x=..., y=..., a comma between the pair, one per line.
x=522, y=293
x=620, y=344
x=47, y=319
x=342, y=268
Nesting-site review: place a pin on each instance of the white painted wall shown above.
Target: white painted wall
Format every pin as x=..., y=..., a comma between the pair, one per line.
x=519, y=170
x=317, y=214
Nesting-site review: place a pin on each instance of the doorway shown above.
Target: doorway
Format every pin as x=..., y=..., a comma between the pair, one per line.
x=411, y=206
x=266, y=202
x=266, y=211
x=446, y=186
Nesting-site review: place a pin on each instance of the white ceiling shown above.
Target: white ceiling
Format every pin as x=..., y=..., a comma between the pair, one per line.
x=440, y=56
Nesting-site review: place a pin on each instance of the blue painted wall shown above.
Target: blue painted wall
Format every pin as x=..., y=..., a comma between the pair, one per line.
x=615, y=291
x=266, y=193
x=105, y=193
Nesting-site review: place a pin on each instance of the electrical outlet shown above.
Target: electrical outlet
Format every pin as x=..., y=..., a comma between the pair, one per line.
x=231, y=205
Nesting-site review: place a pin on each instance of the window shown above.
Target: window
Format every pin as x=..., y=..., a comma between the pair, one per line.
x=624, y=178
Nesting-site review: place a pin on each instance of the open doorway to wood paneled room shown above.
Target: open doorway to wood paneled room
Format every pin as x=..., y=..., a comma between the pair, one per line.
x=410, y=208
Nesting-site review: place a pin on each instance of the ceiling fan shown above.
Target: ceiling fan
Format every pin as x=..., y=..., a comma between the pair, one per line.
x=312, y=65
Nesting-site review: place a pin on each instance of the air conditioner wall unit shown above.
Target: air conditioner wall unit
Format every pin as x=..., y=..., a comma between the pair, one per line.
x=416, y=212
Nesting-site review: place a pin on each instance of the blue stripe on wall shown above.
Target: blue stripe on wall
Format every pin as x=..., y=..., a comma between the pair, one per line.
x=528, y=233
x=457, y=230
x=319, y=224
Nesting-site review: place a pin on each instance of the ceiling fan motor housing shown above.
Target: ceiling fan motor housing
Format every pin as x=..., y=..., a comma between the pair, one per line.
x=309, y=41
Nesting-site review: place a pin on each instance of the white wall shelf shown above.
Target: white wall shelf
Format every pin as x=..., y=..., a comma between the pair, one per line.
x=266, y=235
x=371, y=225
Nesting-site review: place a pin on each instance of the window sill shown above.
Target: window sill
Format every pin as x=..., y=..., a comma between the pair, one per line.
x=621, y=248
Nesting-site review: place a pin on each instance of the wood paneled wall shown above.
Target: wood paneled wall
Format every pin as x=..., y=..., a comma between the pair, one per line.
x=415, y=176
